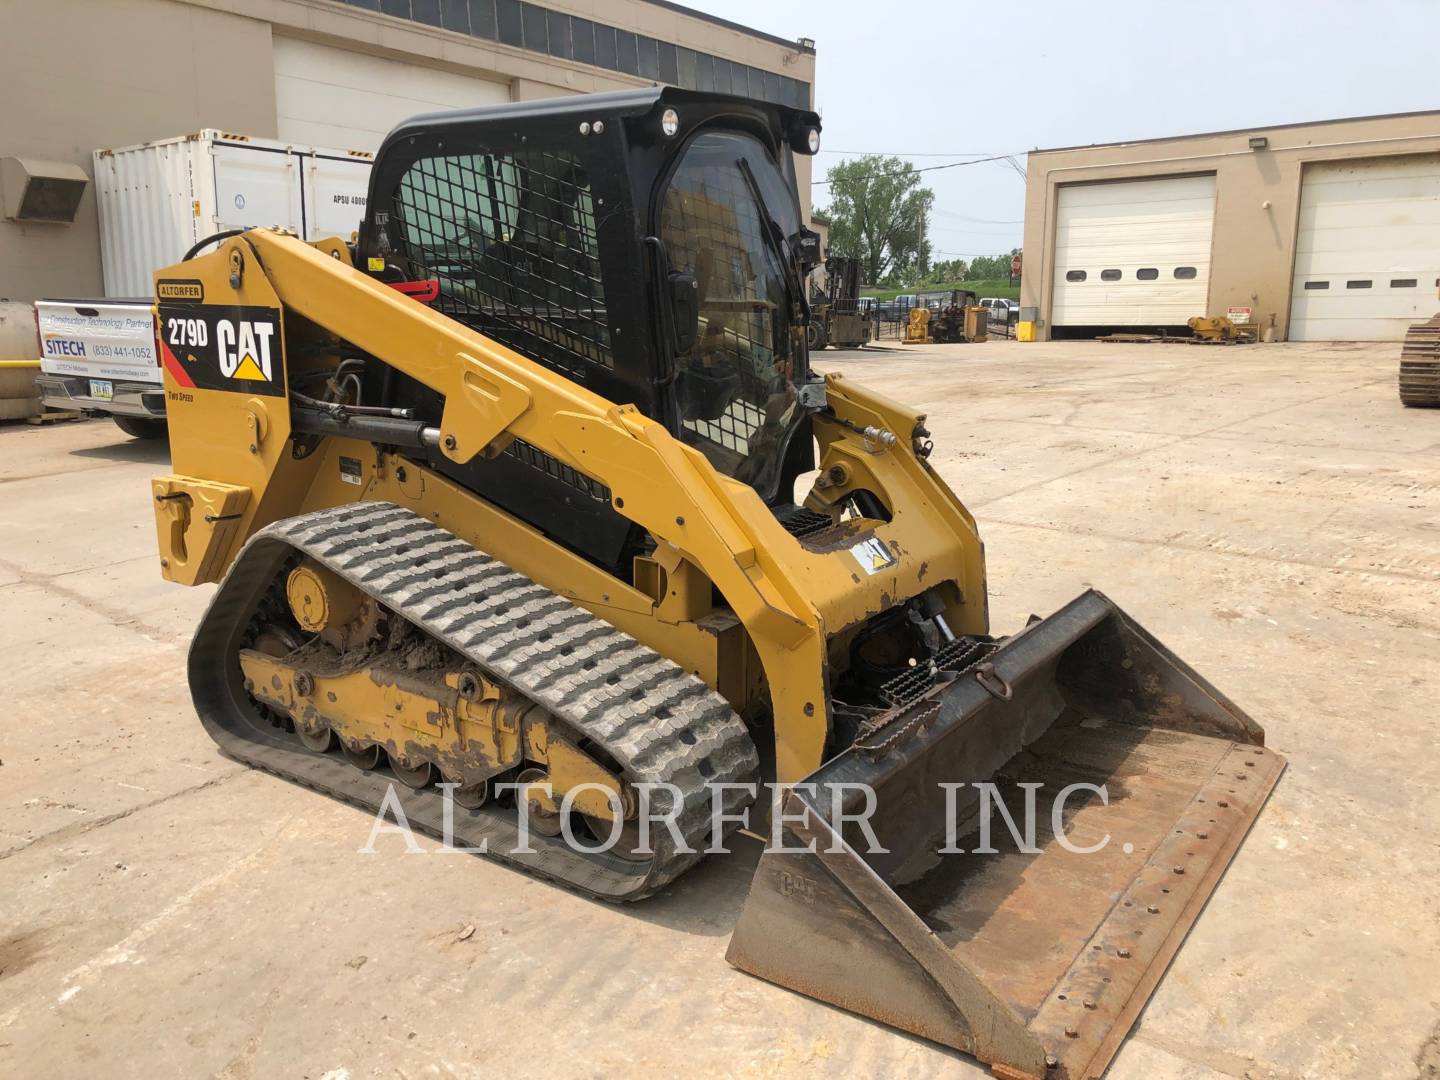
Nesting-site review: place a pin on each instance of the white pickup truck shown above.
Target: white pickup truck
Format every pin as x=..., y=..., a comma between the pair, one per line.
x=100, y=356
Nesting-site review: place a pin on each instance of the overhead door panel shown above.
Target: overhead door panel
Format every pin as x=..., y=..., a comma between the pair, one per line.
x=1133, y=252
x=1367, y=249
x=332, y=97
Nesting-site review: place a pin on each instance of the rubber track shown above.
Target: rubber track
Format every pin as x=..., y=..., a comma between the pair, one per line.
x=1420, y=365
x=660, y=723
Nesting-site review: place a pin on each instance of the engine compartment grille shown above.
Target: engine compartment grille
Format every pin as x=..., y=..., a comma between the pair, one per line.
x=958, y=656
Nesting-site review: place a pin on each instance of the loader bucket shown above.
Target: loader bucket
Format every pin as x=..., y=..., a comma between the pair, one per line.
x=1033, y=957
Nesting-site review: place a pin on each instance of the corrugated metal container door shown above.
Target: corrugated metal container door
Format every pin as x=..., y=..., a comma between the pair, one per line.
x=326, y=96
x=158, y=199
x=1367, y=249
x=151, y=198
x=1133, y=253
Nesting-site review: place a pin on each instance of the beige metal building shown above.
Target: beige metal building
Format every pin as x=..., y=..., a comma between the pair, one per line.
x=79, y=75
x=1331, y=230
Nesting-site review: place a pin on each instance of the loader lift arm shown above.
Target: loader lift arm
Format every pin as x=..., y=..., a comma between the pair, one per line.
x=716, y=524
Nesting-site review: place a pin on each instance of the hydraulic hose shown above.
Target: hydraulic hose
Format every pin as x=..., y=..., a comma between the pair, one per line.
x=212, y=239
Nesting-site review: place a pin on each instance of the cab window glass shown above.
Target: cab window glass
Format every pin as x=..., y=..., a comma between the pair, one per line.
x=725, y=220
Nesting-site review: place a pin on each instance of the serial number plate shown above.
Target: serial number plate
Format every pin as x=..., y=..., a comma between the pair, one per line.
x=102, y=389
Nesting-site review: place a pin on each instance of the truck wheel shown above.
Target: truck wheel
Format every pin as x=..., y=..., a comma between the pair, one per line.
x=139, y=427
x=815, y=336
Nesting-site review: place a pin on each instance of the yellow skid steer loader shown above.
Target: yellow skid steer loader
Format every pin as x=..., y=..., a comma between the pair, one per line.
x=528, y=506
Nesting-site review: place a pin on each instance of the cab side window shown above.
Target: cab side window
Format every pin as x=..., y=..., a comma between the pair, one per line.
x=511, y=239
x=733, y=387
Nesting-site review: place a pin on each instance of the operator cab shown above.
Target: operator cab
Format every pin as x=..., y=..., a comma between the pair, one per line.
x=647, y=244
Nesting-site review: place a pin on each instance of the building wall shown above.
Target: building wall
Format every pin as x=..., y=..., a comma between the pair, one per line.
x=1257, y=198
x=86, y=74
x=77, y=75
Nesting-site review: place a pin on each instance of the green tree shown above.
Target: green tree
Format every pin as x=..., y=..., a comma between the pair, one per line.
x=947, y=270
x=880, y=215
x=990, y=267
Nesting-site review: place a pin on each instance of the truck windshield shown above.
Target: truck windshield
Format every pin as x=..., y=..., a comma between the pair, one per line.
x=727, y=218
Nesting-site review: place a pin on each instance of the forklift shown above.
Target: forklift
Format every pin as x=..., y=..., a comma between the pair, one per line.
x=837, y=315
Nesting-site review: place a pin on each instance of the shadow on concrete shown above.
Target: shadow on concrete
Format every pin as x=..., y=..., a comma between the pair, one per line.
x=706, y=899
x=153, y=451
x=872, y=347
x=21, y=426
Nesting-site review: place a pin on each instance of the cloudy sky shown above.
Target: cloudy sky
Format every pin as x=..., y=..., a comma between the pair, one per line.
x=927, y=77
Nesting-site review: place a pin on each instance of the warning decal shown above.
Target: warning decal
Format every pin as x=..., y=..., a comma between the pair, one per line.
x=211, y=347
x=873, y=556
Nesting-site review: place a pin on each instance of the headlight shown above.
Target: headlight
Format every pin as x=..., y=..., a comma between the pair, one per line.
x=670, y=123
x=813, y=140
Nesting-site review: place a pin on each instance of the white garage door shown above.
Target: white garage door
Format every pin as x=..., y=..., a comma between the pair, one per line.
x=1133, y=252
x=1367, y=250
x=348, y=100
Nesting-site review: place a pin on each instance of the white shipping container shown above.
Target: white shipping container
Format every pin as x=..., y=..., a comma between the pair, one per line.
x=160, y=198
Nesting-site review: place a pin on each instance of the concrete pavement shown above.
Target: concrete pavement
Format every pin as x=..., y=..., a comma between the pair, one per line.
x=1269, y=512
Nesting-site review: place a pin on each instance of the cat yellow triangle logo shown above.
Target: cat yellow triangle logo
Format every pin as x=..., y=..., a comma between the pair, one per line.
x=872, y=555
x=249, y=370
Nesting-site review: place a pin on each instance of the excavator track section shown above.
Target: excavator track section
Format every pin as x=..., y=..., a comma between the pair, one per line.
x=659, y=723
x=1420, y=366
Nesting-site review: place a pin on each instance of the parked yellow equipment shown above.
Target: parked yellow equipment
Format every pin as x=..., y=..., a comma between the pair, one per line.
x=917, y=327
x=1220, y=330
x=955, y=315
x=503, y=497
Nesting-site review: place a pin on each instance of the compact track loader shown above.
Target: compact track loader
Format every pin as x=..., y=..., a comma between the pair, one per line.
x=528, y=502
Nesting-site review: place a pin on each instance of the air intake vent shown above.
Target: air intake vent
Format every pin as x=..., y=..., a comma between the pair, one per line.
x=800, y=522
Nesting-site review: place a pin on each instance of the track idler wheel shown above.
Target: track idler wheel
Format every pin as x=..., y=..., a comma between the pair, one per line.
x=364, y=758
x=473, y=797
x=416, y=777
x=321, y=741
x=627, y=840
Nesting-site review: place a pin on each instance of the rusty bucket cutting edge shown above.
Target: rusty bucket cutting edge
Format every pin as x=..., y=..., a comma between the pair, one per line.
x=1034, y=958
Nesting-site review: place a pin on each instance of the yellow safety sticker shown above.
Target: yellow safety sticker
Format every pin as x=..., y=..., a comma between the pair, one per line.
x=872, y=555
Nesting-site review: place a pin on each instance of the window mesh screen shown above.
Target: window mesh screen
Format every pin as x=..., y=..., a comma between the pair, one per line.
x=511, y=239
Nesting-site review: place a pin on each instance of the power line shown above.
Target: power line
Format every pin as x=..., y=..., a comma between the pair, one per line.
x=899, y=153
x=973, y=230
x=911, y=172
x=979, y=220
x=970, y=254
x=1016, y=168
